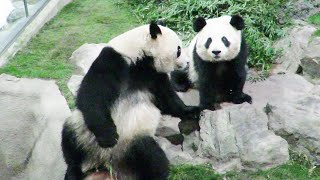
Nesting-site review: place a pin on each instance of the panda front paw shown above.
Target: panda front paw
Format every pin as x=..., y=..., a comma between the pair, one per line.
x=108, y=139
x=241, y=98
x=191, y=113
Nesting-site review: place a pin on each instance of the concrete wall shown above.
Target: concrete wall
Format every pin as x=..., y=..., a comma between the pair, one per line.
x=48, y=12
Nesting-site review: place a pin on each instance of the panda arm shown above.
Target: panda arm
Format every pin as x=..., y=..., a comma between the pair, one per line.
x=169, y=102
x=98, y=91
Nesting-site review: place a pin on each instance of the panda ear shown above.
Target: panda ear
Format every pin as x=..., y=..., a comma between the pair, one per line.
x=237, y=22
x=154, y=30
x=199, y=23
x=161, y=22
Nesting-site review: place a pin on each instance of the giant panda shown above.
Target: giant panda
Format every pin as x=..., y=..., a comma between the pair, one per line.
x=218, y=62
x=119, y=105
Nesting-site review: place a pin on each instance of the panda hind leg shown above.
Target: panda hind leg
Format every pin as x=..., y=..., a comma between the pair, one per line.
x=147, y=160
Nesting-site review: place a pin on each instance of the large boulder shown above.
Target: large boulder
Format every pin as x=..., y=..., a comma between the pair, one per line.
x=233, y=138
x=84, y=56
x=293, y=107
x=32, y=113
x=248, y=136
x=297, y=45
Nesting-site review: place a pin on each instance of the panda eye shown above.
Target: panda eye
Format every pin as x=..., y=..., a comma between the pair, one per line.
x=208, y=42
x=179, y=51
x=225, y=41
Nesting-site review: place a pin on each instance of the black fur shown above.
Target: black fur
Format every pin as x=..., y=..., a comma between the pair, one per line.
x=154, y=30
x=222, y=81
x=146, y=159
x=108, y=75
x=208, y=42
x=225, y=41
x=237, y=22
x=199, y=23
x=180, y=80
x=72, y=154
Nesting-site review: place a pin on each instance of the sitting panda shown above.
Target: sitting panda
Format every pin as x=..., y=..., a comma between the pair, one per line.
x=218, y=62
x=119, y=105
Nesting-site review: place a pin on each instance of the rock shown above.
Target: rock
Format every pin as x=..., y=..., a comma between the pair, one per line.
x=293, y=110
x=311, y=68
x=240, y=132
x=191, y=97
x=74, y=83
x=277, y=89
x=302, y=9
x=32, y=113
x=299, y=44
x=84, y=56
x=168, y=128
x=175, y=154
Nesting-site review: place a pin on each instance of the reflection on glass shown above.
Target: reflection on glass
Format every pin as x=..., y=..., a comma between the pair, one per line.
x=13, y=18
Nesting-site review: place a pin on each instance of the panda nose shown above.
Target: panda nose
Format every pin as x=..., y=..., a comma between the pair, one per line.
x=216, y=52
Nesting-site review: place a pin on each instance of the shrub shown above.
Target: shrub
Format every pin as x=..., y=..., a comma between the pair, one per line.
x=262, y=26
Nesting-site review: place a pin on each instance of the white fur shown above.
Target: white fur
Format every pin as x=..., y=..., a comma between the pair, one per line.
x=87, y=141
x=135, y=43
x=135, y=114
x=183, y=60
x=216, y=28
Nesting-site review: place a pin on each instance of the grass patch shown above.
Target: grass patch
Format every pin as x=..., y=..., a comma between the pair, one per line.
x=290, y=170
x=298, y=167
x=261, y=18
x=82, y=21
x=189, y=172
x=315, y=19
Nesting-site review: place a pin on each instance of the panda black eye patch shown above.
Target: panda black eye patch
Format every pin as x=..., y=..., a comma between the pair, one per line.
x=207, y=44
x=225, y=41
x=179, y=51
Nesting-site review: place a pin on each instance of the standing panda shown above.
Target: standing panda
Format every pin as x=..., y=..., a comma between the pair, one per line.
x=119, y=105
x=219, y=55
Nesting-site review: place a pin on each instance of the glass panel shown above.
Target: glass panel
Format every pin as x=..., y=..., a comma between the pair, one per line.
x=13, y=18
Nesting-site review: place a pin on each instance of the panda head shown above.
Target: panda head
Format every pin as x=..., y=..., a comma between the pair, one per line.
x=218, y=39
x=165, y=47
x=152, y=40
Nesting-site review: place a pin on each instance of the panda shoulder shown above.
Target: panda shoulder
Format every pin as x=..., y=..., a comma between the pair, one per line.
x=108, y=58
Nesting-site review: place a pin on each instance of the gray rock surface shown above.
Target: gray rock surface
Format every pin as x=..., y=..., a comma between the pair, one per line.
x=84, y=56
x=298, y=44
x=74, y=83
x=32, y=113
x=293, y=110
x=233, y=138
x=303, y=9
x=237, y=136
x=311, y=68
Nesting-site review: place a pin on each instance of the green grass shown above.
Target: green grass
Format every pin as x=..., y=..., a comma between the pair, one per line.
x=82, y=21
x=291, y=170
x=315, y=19
x=261, y=18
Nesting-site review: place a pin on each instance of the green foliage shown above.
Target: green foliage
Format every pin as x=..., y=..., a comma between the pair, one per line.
x=189, y=172
x=262, y=26
x=315, y=19
x=82, y=21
